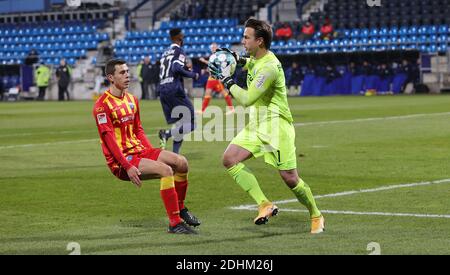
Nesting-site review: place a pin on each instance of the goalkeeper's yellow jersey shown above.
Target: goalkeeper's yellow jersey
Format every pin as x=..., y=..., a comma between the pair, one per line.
x=266, y=88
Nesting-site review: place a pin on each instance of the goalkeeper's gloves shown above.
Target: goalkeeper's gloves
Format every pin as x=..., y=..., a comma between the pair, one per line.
x=222, y=73
x=240, y=61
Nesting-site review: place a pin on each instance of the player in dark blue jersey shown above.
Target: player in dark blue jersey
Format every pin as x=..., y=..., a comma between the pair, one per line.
x=177, y=107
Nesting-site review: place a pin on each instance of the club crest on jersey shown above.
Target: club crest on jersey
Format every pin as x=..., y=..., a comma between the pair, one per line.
x=131, y=106
x=101, y=118
x=129, y=158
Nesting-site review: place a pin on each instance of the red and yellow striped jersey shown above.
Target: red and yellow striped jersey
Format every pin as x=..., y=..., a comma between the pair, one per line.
x=120, y=116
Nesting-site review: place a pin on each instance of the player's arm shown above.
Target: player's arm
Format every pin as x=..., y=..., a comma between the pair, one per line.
x=203, y=60
x=259, y=86
x=178, y=68
x=139, y=130
x=179, y=60
x=132, y=171
x=263, y=81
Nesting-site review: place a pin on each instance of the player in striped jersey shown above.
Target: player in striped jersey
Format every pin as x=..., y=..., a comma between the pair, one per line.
x=131, y=156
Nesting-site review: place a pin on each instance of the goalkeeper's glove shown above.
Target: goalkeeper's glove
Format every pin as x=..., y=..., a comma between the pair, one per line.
x=222, y=74
x=240, y=61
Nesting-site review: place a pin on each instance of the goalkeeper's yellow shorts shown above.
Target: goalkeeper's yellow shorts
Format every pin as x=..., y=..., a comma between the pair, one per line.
x=275, y=140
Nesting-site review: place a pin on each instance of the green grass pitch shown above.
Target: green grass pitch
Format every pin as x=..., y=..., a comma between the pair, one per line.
x=56, y=188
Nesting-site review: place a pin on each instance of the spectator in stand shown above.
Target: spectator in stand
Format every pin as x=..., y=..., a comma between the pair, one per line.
x=386, y=76
x=145, y=73
x=401, y=73
x=284, y=33
x=199, y=10
x=327, y=30
x=32, y=58
x=308, y=30
x=294, y=77
x=63, y=74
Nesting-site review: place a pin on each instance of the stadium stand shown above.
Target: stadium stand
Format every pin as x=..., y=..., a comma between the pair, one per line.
x=241, y=10
x=52, y=41
x=398, y=25
x=199, y=34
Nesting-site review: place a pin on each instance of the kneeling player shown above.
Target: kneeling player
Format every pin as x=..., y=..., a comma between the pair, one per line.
x=129, y=153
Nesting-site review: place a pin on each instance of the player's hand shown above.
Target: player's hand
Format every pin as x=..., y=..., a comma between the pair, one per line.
x=222, y=73
x=219, y=72
x=240, y=61
x=133, y=174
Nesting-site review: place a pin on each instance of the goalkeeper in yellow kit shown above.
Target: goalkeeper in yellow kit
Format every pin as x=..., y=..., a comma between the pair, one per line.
x=270, y=132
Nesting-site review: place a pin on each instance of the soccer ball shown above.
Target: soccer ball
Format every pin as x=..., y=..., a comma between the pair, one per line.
x=223, y=59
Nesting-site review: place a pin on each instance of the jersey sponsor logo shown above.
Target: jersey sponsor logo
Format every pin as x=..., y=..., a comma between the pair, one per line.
x=101, y=118
x=127, y=118
x=260, y=81
x=99, y=110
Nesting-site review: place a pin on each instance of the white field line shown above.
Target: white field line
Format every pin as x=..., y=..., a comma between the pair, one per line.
x=253, y=207
x=370, y=119
x=54, y=143
x=228, y=129
x=369, y=213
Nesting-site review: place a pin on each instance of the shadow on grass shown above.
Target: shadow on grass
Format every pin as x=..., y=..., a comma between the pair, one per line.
x=152, y=235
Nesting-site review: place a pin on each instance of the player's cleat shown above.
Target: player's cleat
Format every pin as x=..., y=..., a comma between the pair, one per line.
x=230, y=112
x=189, y=218
x=266, y=210
x=181, y=228
x=162, y=139
x=317, y=225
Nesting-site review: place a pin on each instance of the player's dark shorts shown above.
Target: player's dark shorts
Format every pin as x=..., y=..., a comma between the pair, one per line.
x=171, y=100
x=121, y=173
x=215, y=85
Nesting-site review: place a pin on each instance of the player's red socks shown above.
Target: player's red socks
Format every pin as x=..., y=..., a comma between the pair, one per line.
x=229, y=101
x=206, y=101
x=181, y=184
x=170, y=199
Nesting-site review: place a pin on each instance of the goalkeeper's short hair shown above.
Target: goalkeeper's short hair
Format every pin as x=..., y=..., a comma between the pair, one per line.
x=262, y=29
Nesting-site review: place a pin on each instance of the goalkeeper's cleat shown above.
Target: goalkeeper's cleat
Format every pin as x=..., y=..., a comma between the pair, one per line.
x=162, y=139
x=266, y=210
x=181, y=228
x=317, y=225
x=189, y=218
